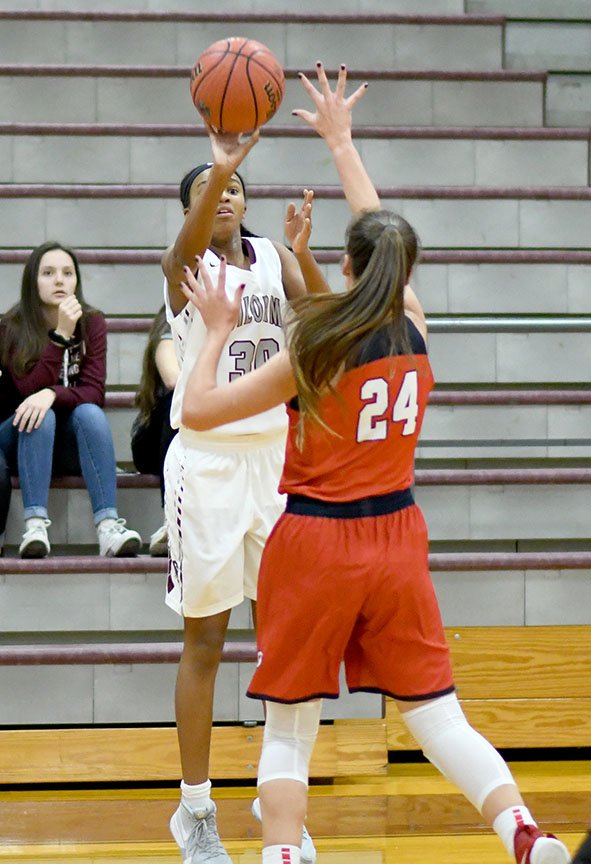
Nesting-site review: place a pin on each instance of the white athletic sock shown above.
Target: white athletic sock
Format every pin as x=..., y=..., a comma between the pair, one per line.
x=507, y=823
x=196, y=797
x=35, y=522
x=281, y=854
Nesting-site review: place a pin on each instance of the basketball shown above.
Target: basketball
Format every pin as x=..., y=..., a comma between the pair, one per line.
x=237, y=84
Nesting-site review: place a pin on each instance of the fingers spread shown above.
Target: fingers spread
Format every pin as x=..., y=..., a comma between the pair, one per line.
x=309, y=88
x=306, y=116
x=341, y=82
x=322, y=79
x=221, y=275
x=356, y=96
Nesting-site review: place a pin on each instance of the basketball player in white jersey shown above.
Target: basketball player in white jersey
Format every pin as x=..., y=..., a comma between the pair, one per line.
x=221, y=486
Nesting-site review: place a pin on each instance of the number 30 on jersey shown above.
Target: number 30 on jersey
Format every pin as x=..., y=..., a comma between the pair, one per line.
x=372, y=424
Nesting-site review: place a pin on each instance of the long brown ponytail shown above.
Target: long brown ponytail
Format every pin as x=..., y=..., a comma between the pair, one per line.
x=329, y=331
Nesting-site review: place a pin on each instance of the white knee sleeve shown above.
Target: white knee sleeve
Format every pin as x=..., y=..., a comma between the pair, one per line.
x=457, y=750
x=288, y=741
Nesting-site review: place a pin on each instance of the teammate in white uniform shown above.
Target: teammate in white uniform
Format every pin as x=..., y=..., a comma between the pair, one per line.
x=219, y=521
x=221, y=486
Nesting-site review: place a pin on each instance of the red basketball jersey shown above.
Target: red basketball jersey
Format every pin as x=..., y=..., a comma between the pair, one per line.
x=375, y=417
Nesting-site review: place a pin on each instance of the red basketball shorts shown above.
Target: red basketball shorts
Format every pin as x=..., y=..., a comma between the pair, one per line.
x=353, y=589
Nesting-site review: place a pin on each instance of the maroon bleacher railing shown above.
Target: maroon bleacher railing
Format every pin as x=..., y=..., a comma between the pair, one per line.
x=124, y=652
x=249, y=17
x=438, y=562
x=274, y=192
x=482, y=396
x=333, y=256
x=275, y=130
x=423, y=477
x=237, y=651
x=60, y=70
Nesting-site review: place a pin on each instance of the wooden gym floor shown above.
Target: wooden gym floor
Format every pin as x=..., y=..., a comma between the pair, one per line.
x=411, y=815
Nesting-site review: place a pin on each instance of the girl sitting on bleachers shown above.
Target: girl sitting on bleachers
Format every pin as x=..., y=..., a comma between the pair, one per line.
x=151, y=432
x=53, y=346
x=5, y=488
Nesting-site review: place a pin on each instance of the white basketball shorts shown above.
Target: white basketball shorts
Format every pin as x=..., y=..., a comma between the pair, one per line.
x=221, y=502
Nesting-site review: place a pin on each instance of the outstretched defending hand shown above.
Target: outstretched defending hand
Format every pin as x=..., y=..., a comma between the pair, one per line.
x=219, y=312
x=332, y=118
x=298, y=223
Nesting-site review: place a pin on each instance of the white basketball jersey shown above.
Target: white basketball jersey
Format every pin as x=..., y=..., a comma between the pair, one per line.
x=257, y=336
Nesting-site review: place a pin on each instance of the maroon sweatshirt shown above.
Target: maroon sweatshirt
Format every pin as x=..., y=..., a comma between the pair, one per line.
x=76, y=374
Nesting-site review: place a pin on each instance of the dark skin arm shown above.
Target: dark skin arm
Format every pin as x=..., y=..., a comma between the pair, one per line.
x=293, y=281
x=196, y=233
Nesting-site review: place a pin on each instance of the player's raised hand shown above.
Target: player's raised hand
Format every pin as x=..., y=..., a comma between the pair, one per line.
x=228, y=149
x=298, y=223
x=219, y=312
x=332, y=117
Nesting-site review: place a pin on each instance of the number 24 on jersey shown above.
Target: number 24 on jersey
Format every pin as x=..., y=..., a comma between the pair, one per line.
x=373, y=423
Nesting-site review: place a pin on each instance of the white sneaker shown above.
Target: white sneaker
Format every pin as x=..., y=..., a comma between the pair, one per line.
x=117, y=541
x=159, y=543
x=197, y=835
x=35, y=543
x=533, y=847
x=308, y=855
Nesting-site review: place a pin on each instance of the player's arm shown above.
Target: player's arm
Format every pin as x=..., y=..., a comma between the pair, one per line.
x=332, y=119
x=194, y=236
x=292, y=277
x=414, y=310
x=205, y=404
x=333, y=122
x=166, y=363
x=196, y=232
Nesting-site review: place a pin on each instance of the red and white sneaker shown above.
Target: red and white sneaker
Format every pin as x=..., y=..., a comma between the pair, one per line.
x=533, y=847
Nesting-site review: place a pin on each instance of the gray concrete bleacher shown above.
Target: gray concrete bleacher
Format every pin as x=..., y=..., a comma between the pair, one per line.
x=525, y=589
x=426, y=155
x=388, y=42
x=496, y=98
x=449, y=217
x=475, y=129
x=509, y=504
x=531, y=10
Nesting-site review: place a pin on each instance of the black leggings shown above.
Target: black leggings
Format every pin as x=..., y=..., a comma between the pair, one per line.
x=5, y=491
x=150, y=442
x=583, y=855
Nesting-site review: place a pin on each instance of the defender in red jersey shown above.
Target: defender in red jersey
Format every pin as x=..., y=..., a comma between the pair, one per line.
x=344, y=575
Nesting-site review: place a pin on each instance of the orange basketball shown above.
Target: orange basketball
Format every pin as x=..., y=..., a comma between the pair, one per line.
x=237, y=84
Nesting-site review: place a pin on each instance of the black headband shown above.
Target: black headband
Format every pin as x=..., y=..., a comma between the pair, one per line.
x=188, y=180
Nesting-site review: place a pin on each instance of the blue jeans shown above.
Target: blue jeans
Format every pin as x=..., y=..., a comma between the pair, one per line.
x=79, y=442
